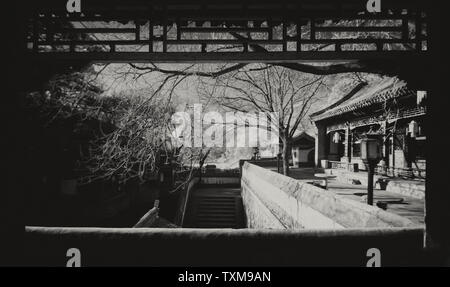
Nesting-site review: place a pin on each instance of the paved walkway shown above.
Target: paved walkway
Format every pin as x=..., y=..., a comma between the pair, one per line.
x=409, y=207
x=302, y=173
x=405, y=206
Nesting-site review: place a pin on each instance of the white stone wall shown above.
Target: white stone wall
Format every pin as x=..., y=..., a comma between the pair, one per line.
x=272, y=200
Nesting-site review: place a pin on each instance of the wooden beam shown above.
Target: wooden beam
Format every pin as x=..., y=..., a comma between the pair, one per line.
x=223, y=30
x=225, y=42
x=359, y=29
x=229, y=57
x=96, y=30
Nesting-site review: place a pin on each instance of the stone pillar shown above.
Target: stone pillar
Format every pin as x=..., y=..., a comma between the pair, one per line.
x=320, y=143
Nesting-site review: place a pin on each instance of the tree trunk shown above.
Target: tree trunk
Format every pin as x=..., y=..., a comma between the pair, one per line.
x=285, y=153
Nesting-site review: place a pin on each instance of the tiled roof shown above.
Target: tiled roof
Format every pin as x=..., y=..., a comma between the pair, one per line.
x=375, y=92
x=303, y=135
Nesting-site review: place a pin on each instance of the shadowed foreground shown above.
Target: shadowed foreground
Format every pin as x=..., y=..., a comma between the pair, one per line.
x=195, y=247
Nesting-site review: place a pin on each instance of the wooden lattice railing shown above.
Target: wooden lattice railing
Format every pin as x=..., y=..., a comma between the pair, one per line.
x=286, y=30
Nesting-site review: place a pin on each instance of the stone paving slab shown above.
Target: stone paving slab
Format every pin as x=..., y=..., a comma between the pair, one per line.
x=410, y=188
x=411, y=208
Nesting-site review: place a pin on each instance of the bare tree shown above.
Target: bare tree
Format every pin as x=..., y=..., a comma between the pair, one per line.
x=170, y=72
x=274, y=90
x=289, y=89
x=142, y=144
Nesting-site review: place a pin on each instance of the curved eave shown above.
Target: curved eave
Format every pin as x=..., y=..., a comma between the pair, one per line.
x=378, y=98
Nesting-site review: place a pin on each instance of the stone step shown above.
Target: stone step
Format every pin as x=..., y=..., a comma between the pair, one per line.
x=216, y=207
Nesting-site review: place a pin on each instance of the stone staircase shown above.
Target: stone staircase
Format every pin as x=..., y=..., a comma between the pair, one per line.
x=215, y=207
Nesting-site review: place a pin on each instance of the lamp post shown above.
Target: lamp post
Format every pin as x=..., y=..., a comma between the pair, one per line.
x=370, y=155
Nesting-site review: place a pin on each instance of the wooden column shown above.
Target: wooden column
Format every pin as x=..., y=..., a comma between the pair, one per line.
x=385, y=143
x=13, y=189
x=320, y=143
x=348, y=144
x=437, y=197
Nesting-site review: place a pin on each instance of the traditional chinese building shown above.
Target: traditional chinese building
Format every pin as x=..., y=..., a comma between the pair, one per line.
x=385, y=107
x=303, y=150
